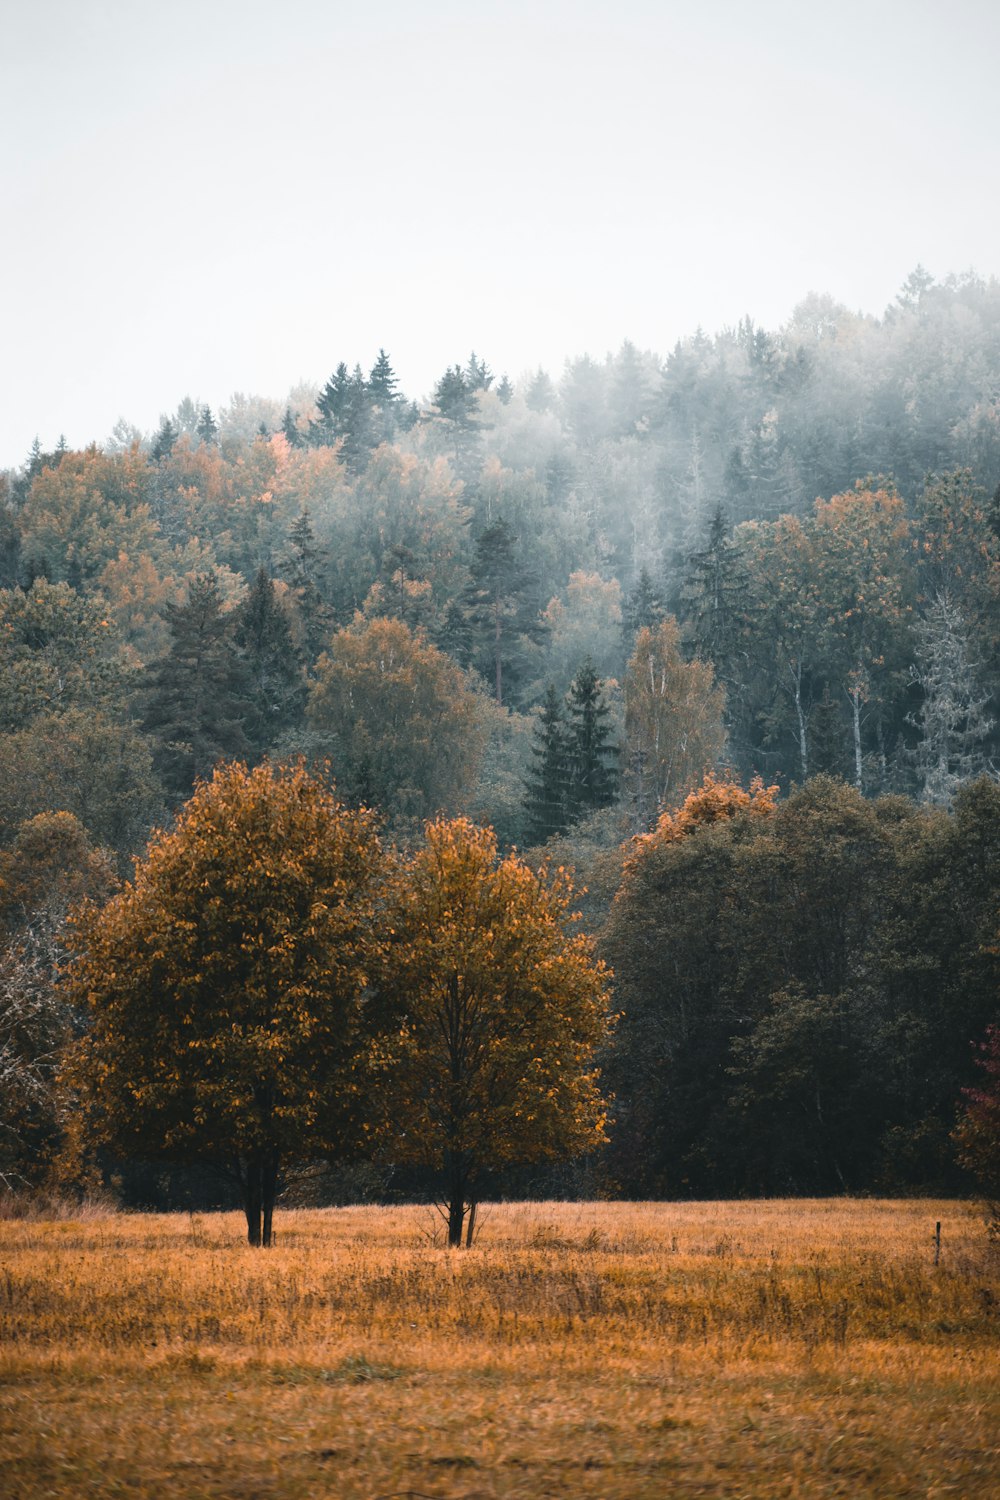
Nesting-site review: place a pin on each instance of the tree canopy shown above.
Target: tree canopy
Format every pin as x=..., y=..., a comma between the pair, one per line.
x=224, y=983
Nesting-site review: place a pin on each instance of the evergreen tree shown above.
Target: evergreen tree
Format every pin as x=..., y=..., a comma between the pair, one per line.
x=164, y=441
x=478, y=375
x=643, y=610
x=453, y=398
x=541, y=393
x=331, y=403
x=547, y=790
x=502, y=609
x=303, y=571
x=591, y=754
x=207, y=429
x=383, y=387
x=716, y=604
x=197, y=698
x=291, y=433
x=358, y=426
x=384, y=399
x=505, y=390
x=275, y=687
x=954, y=727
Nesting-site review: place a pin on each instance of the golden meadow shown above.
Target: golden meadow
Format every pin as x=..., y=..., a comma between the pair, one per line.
x=623, y=1351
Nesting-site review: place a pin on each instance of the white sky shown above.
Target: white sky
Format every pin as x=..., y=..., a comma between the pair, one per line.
x=217, y=195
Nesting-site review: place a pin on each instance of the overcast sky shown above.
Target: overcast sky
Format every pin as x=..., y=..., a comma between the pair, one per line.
x=221, y=195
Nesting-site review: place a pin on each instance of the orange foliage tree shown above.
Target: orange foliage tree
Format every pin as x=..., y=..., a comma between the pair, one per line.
x=492, y=1012
x=225, y=982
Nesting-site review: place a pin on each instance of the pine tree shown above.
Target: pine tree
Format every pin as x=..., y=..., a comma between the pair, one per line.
x=548, y=786
x=276, y=689
x=504, y=391
x=591, y=753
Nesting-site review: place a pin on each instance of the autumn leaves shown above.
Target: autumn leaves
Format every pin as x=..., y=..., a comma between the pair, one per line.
x=275, y=986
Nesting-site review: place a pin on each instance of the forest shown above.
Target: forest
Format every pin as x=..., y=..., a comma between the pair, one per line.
x=718, y=631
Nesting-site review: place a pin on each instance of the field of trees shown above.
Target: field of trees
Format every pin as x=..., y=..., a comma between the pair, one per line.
x=624, y=1351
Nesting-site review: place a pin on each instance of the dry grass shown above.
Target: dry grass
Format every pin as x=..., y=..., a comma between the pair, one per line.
x=621, y=1351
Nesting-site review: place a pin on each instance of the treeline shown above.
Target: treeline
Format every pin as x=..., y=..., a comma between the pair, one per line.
x=546, y=605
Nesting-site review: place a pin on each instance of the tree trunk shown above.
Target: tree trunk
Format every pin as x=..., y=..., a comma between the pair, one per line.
x=455, y=1176
x=269, y=1191
x=252, y=1201
x=470, y=1232
x=803, y=742
x=856, y=714
x=497, y=654
x=260, y=1188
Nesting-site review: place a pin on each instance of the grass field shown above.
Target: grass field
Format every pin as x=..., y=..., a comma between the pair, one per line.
x=621, y=1351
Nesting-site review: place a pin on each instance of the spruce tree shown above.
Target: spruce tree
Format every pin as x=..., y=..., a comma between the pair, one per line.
x=164, y=441
x=643, y=609
x=591, y=753
x=503, y=609
x=275, y=686
x=291, y=433
x=546, y=797
x=331, y=403
x=197, y=697
x=207, y=428
x=302, y=571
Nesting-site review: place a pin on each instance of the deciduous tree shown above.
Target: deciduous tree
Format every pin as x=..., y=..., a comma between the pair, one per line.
x=225, y=983
x=492, y=1015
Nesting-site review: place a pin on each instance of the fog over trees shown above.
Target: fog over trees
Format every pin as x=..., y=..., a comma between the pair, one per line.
x=551, y=602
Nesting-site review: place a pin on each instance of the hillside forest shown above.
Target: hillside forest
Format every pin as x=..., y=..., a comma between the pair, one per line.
x=717, y=631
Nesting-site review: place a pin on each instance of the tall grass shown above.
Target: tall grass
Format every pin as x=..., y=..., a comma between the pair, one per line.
x=615, y=1350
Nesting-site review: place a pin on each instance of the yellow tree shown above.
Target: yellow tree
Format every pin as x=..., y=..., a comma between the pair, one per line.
x=225, y=983
x=673, y=720
x=492, y=1012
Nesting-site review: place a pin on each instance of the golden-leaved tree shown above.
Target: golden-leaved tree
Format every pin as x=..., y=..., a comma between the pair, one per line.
x=674, y=727
x=491, y=1014
x=225, y=982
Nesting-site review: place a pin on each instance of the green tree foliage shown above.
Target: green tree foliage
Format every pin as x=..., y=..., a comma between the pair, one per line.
x=502, y=611
x=82, y=762
x=978, y=1129
x=491, y=1016
x=399, y=720
x=58, y=651
x=275, y=688
x=548, y=788
x=197, y=695
x=592, y=751
x=224, y=984
x=800, y=981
